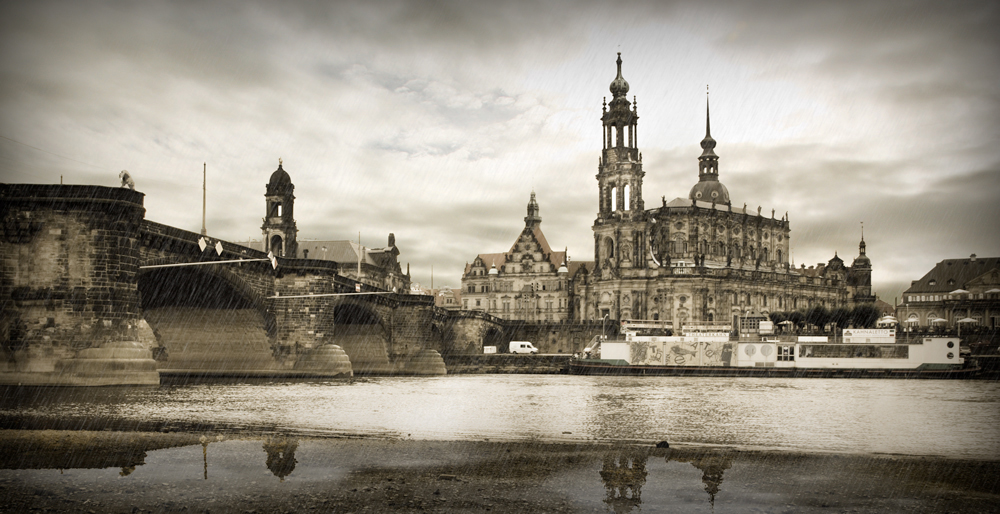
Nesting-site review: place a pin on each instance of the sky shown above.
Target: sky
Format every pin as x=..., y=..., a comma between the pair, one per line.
x=436, y=120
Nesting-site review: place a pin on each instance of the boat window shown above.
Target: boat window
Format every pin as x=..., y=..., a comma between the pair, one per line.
x=854, y=351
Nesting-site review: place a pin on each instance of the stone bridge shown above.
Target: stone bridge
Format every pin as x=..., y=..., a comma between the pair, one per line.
x=89, y=287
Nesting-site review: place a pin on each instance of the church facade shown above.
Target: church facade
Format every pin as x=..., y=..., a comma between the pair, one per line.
x=696, y=260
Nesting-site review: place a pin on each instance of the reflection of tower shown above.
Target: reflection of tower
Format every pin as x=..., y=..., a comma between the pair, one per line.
x=279, y=223
x=712, y=467
x=623, y=474
x=280, y=455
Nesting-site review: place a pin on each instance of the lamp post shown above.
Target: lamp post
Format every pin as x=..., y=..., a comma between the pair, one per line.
x=603, y=321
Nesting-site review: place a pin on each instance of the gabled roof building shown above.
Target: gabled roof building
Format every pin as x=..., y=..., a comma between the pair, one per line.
x=528, y=282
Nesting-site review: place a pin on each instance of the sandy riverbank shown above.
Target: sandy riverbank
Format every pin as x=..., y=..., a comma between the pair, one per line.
x=85, y=471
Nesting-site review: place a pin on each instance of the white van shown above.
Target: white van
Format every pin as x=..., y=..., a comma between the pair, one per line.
x=522, y=347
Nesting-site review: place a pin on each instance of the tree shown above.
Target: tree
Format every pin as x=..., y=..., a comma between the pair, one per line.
x=797, y=317
x=841, y=316
x=777, y=317
x=864, y=316
x=818, y=315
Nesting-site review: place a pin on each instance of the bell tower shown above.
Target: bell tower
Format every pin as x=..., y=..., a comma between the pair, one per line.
x=619, y=174
x=279, y=223
x=618, y=229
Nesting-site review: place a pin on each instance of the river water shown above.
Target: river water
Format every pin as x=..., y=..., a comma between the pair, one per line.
x=913, y=417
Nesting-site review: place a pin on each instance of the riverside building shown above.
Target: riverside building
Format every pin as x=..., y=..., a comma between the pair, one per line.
x=693, y=259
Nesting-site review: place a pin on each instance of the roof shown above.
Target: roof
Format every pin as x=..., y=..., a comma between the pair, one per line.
x=489, y=259
x=951, y=274
x=586, y=266
x=499, y=259
x=686, y=202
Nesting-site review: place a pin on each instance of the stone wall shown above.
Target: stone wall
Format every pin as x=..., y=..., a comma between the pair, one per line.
x=412, y=326
x=565, y=338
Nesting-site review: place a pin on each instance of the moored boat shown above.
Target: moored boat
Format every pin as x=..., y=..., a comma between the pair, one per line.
x=713, y=351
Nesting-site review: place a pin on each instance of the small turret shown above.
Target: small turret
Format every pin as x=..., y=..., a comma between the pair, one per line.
x=532, y=219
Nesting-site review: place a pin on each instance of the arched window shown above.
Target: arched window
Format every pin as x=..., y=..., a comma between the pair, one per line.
x=276, y=246
x=279, y=210
x=626, y=199
x=779, y=257
x=614, y=199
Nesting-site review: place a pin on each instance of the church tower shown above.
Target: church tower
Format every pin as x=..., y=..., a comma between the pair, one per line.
x=859, y=277
x=618, y=230
x=279, y=223
x=708, y=188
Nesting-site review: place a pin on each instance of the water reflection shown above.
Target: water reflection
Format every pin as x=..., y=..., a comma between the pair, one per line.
x=712, y=465
x=281, y=455
x=623, y=474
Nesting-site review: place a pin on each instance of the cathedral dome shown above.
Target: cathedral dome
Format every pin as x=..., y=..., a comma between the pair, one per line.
x=710, y=191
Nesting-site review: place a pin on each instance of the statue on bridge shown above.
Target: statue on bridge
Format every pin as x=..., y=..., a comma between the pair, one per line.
x=127, y=180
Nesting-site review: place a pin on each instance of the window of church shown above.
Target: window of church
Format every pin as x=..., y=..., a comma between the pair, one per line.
x=614, y=198
x=626, y=199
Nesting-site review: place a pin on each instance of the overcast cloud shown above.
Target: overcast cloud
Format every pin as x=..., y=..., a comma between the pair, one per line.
x=435, y=120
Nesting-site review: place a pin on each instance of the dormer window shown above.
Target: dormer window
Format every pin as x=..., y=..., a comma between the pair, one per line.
x=932, y=283
x=951, y=281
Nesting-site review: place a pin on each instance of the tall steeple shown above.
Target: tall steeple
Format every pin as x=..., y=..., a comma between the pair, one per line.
x=532, y=220
x=862, y=260
x=861, y=247
x=620, y=168
x=708, y=188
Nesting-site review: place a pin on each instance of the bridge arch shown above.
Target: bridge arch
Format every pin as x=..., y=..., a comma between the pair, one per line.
x=206, y=317
x=363, y=333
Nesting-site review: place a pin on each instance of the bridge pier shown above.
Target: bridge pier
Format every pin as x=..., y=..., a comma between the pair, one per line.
x=70, y=312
